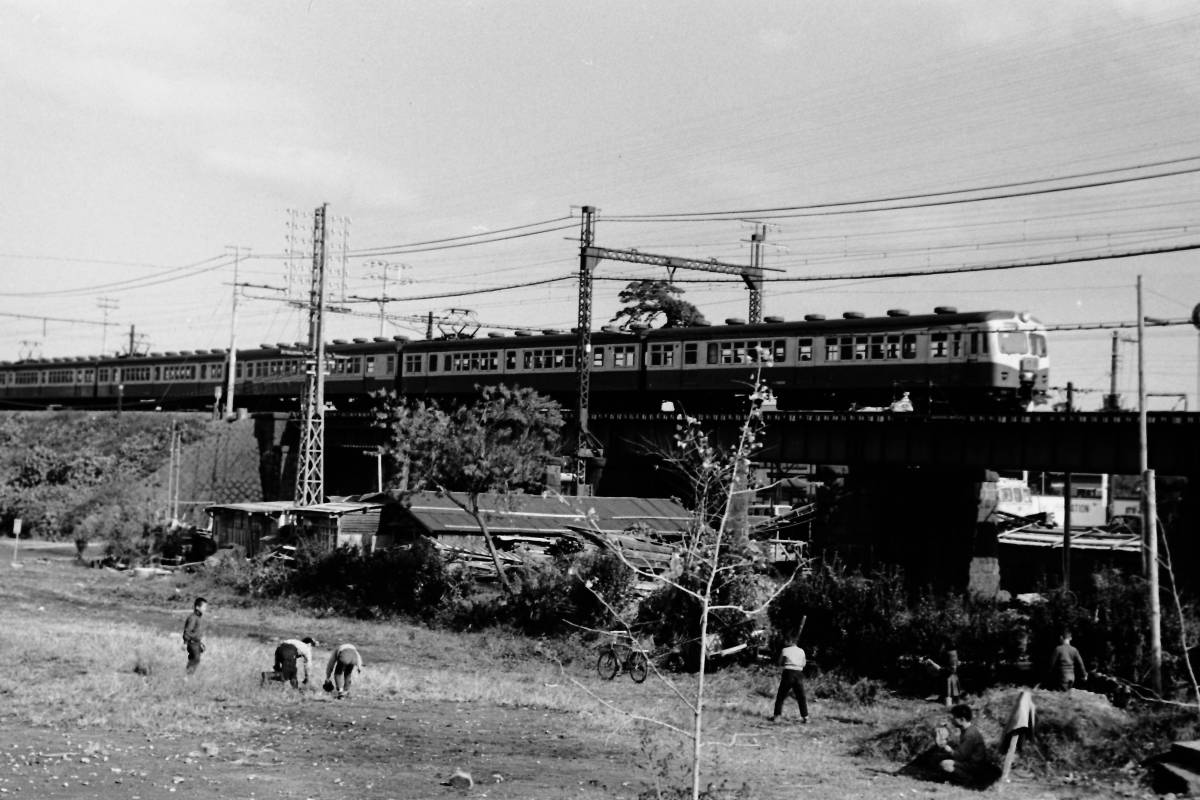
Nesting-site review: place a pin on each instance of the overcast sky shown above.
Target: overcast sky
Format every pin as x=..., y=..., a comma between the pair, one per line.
x=142, y=139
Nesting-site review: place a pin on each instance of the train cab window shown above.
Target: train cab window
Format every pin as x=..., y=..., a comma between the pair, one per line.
x=1037, y=344
x=1014, y=343
x=877, y=348
x=369, y=365
x=691, y=352
x=662, y=354
x=804, y=349
x=860, y=348
x=624, y=355
x=598, y=356
x=908, y=345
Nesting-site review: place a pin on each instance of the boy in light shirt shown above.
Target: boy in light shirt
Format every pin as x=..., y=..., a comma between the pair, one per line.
x=791, y=681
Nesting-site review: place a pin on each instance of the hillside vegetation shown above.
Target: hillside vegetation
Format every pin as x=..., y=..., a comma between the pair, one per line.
x=90, y=475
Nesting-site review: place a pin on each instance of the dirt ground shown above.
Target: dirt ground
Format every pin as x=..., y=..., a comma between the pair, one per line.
x=372, y=747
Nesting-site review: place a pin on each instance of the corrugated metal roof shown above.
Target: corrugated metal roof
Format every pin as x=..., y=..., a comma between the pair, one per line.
x=267, y=507
x=335, y=509
x=1080, y=540
x=536, y=514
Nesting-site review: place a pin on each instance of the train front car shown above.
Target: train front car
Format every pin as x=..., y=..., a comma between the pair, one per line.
x=1018, y=359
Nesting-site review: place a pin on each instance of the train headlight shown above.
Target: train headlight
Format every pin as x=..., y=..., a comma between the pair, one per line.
x=1026, y=376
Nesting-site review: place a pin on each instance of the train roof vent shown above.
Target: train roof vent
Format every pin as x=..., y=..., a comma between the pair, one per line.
x=361, y=340
x=341, y=341
x=897, y=312
x=171, y=353
x=853, y=315
x=495, y=334
x=945, y=310
x=380, y=339
x=93, y=358
x=156, y=355
x=773, y=319
x=217, y=351
x=734, y=321
x=187, y=352
x=401, y=339
x=638, y=326
x=283, y=345
x=550, y=331
x=814, y=317
x=522, y=332
x=610, y=328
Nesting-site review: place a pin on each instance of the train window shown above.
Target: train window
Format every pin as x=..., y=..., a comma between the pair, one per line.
x=26, y=378
x=662, y=355
x=370, y=365
x=447, y=363
x=218, y=371
x=956, y=345
x=860, y=348
x=158, y=373
x=978, y=343
x=510, y=359
x=877, y=348
x=938, y=348
x=804, y=349
x=104, y=375
x=891, y=348
x=624, y=355
x=908, y=345
x=597, y=356
x=1014, y=343
x=690, y=352
x=413, y=362
x=1037, y=344
x=433, y=362
x=203, y=372
x=390, y=365
x=714, y=353
x=833, y=352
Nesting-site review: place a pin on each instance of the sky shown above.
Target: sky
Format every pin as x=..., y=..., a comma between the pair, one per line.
x=1051, y=148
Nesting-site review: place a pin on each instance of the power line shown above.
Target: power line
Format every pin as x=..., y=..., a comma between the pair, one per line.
x=840, y=207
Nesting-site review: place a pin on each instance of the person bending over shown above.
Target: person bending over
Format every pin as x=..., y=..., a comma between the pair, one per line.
x=339, y=672
x=287, y=658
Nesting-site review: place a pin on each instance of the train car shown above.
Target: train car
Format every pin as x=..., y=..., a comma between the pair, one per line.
x=985, y=360
x=452, y=369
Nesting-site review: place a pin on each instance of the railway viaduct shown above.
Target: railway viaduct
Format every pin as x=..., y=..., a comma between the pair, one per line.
x=917, y=478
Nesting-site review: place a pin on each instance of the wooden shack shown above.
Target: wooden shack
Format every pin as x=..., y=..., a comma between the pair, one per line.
x=245, y=524
x=360, y=521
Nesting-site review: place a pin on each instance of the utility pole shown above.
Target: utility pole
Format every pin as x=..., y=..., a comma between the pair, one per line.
x=1149, y=507
x=231, y=365
x=1068, y=490
x=106, y=305
x=310, y=464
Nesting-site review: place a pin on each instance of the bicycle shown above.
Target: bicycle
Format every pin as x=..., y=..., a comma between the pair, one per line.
x=618, y=657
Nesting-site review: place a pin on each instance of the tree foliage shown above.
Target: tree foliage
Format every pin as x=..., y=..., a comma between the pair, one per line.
x=497, y=445
x=648, y=302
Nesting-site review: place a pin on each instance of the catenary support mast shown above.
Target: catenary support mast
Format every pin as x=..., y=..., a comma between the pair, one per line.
x=310, y=466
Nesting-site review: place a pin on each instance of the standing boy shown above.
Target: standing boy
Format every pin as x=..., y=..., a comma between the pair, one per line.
x=1066, y=665
x=193, y=634
x=791, y=681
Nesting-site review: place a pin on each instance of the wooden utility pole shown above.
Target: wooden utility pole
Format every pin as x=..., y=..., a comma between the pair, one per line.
x=231, y=365
x=1149, y=507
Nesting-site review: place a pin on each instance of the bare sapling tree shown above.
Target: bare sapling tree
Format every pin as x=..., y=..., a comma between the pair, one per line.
x=1185, y=647
x=719, y=577
x=495, y=446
